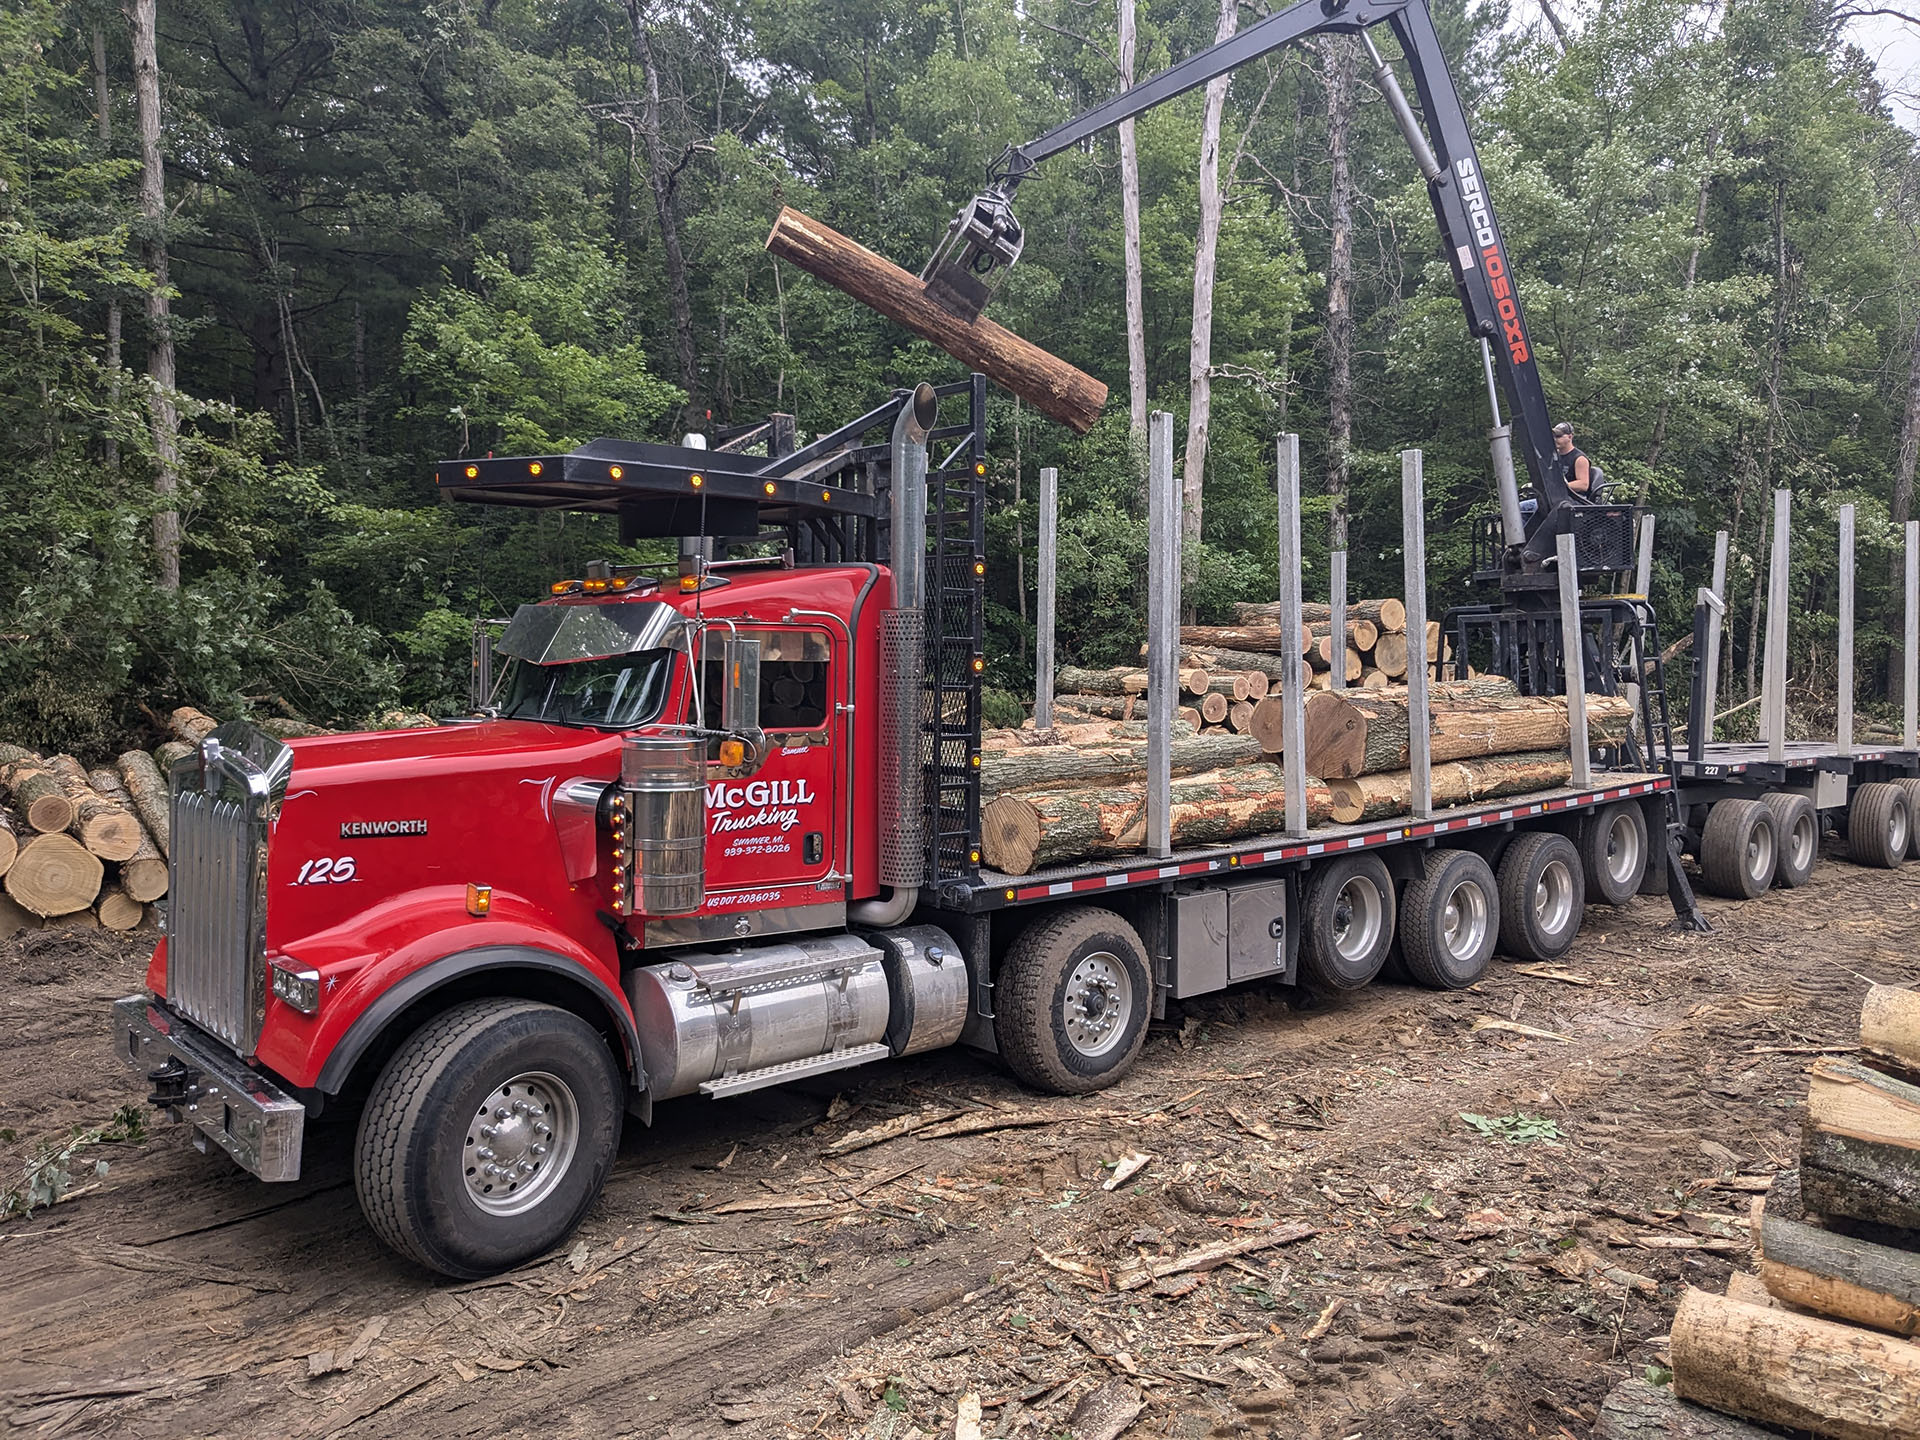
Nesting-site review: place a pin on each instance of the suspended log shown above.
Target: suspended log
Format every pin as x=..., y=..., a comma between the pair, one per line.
x=147, y=787
x=118, y=910
x=1890, y=1026
x=1054, y=767
x=1391, y=654
x=15, y=917
x=107, y=828
x=54, y=874
x=1021, y=833
x=1213, y=708
x=1267, y=638
x=1388, y=614
x=1388, y=793
x=1860, y=1145
x=1795, y=1370
x=1045, y=382
x=1840, y=1275
x=38, y=795
x=1635, y=1410
x=1120, y=680
x=191, y=725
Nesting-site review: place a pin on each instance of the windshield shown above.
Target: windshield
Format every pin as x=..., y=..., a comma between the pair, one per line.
x=616, y=693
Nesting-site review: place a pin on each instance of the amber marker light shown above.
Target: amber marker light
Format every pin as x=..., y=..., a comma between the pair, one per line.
x=594, y=587
x=979, y=664
x=689, y=584
x=534, y=467
x=732, y=752
x=769, y=487
x=619, y=582
x=473, y=472
x=615, y=471
x=479, y=899
x=696, y=481
x=979, y=467
x=979, y=569
x=559, y=587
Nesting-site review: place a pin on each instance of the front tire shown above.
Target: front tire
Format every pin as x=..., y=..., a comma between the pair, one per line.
x=1074, y=993
x=487, y=1136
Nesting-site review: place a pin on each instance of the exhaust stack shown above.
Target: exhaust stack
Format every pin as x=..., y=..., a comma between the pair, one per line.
x=903, y=635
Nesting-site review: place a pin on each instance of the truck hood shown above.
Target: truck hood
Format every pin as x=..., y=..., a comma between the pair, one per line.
x=469, y=751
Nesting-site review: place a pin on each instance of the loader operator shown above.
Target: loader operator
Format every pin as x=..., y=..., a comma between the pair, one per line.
x=1568, y=479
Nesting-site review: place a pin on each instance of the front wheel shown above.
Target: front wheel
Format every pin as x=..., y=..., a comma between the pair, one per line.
x=488, y=1135
x=1074, y=993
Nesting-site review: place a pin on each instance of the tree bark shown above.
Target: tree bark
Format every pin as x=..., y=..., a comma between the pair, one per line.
x=1130, y=228
x=1776, y=354
x=1909, y=453
x=1349, y=733
x=1860, y=1145
x=1045, y=382
x=1121, y=680
x=148, y=789
x=660, y=182
x=1052, y=827
x=1105, y=707
x=1890, y=1025
x=1659, y=440
x=1206, y=249
x=153, y=246
x=103, y=130
x=1246, y=637
x=54, y=875
x=38, y=795
x=9, y=841
x=165, y=755
x=1053, y=767
x=1385, y=794
x=1340, y=76
x=1839, y=1275
x=1795, y=1370
x=1635, y=1410
x=1388, y=614
x=104, y=827
x=192, y=725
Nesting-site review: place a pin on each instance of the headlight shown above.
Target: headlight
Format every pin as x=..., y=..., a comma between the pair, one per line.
x=296, y=984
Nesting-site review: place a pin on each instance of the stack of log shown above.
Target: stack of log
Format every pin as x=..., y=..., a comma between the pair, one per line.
x=1822, y=1338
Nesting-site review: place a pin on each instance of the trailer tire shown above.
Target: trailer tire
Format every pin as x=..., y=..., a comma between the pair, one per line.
x=1613, y=850
x=1349, y=922
x=1796, y=825
x=1910, y=788
x=1073, y=997
x=1738, y=849
x=1542, y=898
x=1449, y=920
x=1879, y=826
x=421, y=1130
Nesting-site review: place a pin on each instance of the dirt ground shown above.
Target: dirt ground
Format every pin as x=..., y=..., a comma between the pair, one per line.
x=754, y=1271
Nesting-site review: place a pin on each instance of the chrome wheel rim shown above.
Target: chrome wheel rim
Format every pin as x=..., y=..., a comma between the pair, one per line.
x=1623, y=849
x=1358, y=916
x=520, y=1143
x=1898, y=831
x=1098, y=1003
x=1553, y=898
x=1463, y=920
x=1801, y=840
x=1760, y=852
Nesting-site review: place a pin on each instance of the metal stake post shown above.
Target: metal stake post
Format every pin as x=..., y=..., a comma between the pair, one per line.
x=1414, y=538
x=1043, y=637
x=1337, y=616
x=1843, y=701
x=1293, y=748
x=1719, y=588
x=1163, y=629
x=1910, y=689
x=1573, y=660
x=1773, y=686
x=1643, y=570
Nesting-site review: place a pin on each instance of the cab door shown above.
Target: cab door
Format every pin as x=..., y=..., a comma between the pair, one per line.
x=771, y=833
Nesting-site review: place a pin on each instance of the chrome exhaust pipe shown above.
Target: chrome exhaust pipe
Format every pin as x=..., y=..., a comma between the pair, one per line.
x=903, y=660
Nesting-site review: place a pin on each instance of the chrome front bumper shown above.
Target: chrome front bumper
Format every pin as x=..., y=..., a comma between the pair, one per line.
x=238, y=1109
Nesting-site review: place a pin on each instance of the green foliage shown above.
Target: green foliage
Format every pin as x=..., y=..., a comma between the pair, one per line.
x=1515, y=1129
x=49, y=1174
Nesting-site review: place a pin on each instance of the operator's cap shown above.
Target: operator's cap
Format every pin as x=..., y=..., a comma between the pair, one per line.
x=1563, y=428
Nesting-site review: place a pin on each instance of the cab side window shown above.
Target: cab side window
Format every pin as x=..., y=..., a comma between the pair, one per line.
x=793, y=678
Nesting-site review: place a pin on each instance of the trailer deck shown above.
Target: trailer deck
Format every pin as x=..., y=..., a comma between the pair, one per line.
x=995, y=890
x=1730, y=758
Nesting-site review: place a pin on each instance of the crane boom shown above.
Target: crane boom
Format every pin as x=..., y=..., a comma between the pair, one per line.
x=985, y=238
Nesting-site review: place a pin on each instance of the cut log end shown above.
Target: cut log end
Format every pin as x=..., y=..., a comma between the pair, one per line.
x=54, y=875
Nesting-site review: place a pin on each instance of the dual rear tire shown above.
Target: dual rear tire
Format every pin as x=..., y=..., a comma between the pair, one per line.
x=1880, y=826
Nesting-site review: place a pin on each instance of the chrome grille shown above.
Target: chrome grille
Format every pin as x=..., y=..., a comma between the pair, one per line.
x=224, y=799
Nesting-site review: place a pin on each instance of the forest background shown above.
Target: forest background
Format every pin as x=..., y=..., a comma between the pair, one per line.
x=268, y=260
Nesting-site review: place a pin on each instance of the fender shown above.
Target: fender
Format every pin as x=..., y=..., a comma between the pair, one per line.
x=368, y=1026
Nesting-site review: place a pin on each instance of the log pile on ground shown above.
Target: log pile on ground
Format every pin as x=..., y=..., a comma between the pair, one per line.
x=1824, y=1341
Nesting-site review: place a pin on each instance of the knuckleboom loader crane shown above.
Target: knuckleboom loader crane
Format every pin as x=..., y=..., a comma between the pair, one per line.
x=985, y=238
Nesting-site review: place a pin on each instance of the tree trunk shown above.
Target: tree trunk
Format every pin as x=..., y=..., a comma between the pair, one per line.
x=38, y=795
x=118, y=910
x=1909, y=453
x=1214, y=708
x=1659, y=440
x=1340, y=71
x=1839, y=1275
x=1053, y=767
x=1390, y=654
x=1860, y=1145
x=1121, y=680
x=1045, y=382
x=1349, y=733
x=1246, y=637
x=1388, y=614
x=1776, y=353
x=1053, y=827
x=153, y=248
x=1795, y=1370
x=192, y=725
x=104, y=827
x=1635, y=1410
x=9, y=841
x=148, y=789
x=1104, y=707
x=1206, y=249
x=166, y=755
x=1130, y=227
x=1361, y=634
x=103, y=129
x=54, y=875
x=660, y=182
x=1388, y=793
x=1890, y=1025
